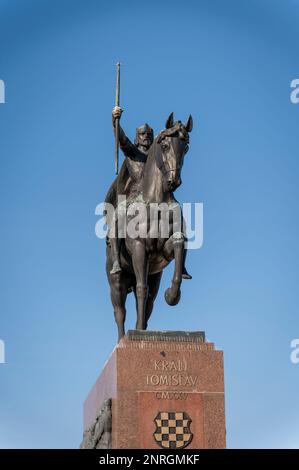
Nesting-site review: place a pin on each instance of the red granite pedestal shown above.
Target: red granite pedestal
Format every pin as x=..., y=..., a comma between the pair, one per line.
x=167, y=391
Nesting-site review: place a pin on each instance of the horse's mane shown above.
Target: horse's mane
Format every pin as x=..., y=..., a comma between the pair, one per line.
x=154, y=148
x=178, y=127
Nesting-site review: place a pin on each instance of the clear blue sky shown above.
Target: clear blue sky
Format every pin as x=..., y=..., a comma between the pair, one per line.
x=228, y=63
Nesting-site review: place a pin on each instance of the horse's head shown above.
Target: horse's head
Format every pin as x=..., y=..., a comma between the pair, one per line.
x=173, y=142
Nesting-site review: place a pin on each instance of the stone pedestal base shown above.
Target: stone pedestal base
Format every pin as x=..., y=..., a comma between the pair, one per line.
x=165, y=389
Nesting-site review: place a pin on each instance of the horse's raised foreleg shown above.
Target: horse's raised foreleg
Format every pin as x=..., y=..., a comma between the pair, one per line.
x=140, y=266
x=175, y=247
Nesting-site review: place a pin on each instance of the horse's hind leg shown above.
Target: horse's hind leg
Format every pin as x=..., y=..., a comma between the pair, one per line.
x=119, y=284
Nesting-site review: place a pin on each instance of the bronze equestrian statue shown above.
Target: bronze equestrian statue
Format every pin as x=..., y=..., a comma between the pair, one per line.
x=150, y=174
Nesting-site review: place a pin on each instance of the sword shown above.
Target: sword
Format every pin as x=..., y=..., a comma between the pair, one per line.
x=117, y=95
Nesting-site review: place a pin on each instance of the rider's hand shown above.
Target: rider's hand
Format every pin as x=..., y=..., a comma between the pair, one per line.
x=116, y=113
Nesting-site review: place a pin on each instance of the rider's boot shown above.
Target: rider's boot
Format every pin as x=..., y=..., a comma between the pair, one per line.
x=115, y=256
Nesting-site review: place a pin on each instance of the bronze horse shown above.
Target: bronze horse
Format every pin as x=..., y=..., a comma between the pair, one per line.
x=144, y=258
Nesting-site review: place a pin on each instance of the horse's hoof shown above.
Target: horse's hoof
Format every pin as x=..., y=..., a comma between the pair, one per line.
x=170, y=298
x=120, y=336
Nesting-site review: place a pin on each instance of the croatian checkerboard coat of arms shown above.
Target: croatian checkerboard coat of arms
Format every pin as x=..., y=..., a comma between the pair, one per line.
x=173, y=429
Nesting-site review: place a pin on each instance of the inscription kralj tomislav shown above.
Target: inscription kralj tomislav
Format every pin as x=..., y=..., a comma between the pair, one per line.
x=149, y=176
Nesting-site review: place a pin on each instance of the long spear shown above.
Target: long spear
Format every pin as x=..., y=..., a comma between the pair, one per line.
x=117, y=96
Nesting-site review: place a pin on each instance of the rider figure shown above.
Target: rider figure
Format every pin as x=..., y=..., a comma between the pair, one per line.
x=131, y=175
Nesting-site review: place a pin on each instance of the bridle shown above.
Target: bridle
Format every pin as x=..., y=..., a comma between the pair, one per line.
x=162, y=163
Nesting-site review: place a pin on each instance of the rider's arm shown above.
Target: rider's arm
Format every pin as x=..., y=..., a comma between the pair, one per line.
x=124, y=142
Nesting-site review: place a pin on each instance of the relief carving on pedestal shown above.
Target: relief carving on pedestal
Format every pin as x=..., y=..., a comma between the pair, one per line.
x=99, y=434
